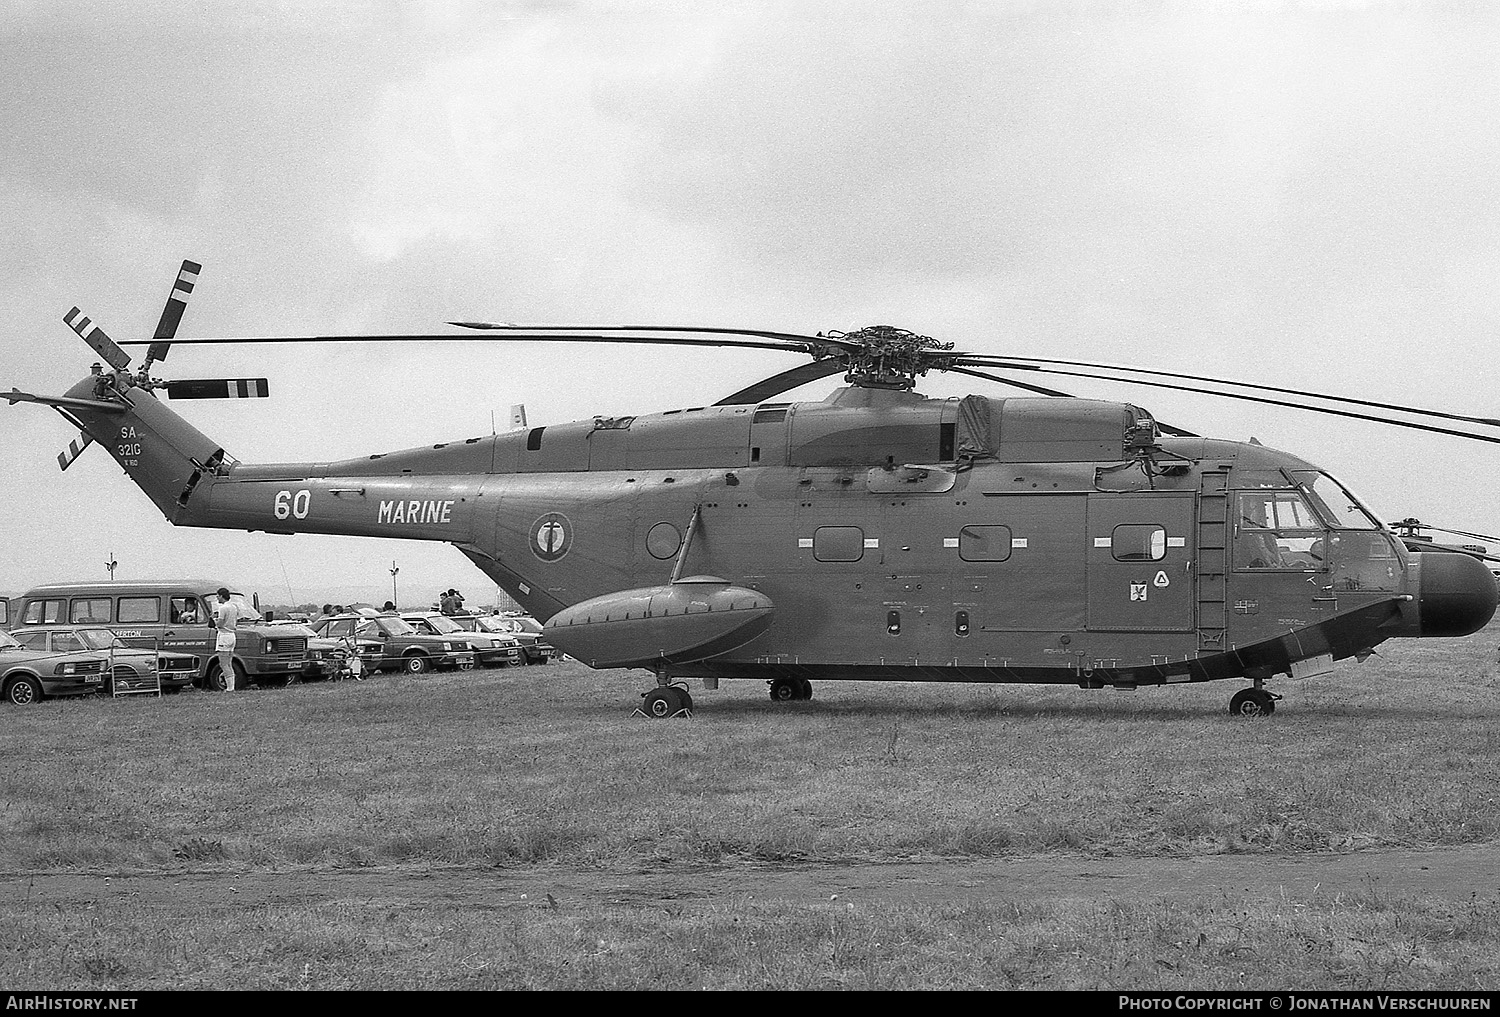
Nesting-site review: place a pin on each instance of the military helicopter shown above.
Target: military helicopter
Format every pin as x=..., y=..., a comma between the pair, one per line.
x=875, y=535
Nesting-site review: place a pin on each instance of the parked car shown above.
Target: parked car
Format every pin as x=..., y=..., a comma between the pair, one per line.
x=491, y=649
x=68, y=661
x=172, y=615
x=535, y=648
x=401, y=646
x=329, y=657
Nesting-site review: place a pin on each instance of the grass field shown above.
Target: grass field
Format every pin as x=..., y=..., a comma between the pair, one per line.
x=542, y=767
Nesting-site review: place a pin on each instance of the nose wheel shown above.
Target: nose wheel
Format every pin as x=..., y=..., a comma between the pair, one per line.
x=1255, y=702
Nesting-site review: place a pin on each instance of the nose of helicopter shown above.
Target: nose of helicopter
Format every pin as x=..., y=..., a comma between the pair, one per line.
x=1455, y=596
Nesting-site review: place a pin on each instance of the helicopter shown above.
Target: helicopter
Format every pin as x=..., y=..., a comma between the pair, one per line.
x=874, y=535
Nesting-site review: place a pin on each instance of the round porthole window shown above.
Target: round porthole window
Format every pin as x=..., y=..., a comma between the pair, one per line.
x=663, y=540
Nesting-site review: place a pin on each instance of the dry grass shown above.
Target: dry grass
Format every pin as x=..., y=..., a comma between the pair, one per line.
x=545, y=766
x=1364, y=942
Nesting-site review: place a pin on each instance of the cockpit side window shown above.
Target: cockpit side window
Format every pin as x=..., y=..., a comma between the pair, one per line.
x=1277, y=530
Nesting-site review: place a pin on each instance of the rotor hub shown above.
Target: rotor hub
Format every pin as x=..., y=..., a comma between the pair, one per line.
x=887, y=357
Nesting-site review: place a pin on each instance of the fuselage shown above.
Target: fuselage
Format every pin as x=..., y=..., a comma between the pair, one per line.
x=971, y=539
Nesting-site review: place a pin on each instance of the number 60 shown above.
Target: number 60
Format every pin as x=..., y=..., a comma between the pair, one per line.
x=289, y=504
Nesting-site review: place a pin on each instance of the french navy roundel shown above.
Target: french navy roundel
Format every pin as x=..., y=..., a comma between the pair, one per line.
x=551, y=536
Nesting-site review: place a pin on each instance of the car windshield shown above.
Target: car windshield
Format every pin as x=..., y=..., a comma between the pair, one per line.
x=468, y=624
x=100, y=639
x=443, y=624
x=248, y=614
x=8, y=642
x=394, y=627
x=530, y=625
x=492, y=624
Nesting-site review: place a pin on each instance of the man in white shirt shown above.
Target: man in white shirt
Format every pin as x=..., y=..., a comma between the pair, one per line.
x=226, y=617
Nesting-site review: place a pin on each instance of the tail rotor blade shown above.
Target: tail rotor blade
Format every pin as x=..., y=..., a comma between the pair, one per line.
x=171, y=314
x=97, y=338
x=75, y=449
x=219, y=388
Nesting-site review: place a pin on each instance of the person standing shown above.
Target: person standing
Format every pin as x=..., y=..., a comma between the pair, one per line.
x=226, y=617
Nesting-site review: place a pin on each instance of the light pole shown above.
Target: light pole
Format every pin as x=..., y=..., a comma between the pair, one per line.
x=394, y=570
x=109, y=566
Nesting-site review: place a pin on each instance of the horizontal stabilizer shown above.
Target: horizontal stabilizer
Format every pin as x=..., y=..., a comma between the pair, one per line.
x=15, y=395
x=97, y=338
x=219, y=388
x=74, y=450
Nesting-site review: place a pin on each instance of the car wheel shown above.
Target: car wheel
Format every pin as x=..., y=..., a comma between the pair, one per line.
x=415, y=664
x=23, y=691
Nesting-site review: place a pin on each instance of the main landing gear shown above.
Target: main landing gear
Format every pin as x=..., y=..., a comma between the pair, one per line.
x=666, y=701
x=785, y=690
x=1256, y=702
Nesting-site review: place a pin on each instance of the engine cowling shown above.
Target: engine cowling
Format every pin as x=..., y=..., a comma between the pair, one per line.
x=691, y=619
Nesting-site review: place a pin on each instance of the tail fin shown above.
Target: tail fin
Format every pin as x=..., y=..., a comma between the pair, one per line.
x=164, y=454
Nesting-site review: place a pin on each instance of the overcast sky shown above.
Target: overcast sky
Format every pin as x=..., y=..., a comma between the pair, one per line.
x=1294, y=193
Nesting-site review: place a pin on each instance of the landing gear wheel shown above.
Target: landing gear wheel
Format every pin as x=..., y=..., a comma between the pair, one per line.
x=1252, y=703
x=665, y=702
x=784, y=690
x=24, y=691
x=415, y=664
x=806, y=688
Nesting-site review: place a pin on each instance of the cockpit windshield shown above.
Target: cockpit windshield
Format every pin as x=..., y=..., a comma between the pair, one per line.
x=1335, y=502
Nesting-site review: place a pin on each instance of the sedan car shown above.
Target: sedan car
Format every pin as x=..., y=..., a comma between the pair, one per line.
x=70, y=661
x=535, y=648
x=401, y=646
x=491, y=649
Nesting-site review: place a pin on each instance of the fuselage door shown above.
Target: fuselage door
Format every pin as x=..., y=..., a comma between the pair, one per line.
x=1140, y=554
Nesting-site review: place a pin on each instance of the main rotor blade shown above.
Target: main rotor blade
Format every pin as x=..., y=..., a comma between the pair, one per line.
x=790, y=337
x=1175, y=432
x=171, y=314
x=783, y=382
x=1260, y=399
x=219, y=388
x=449, y=338
x=983, y=361
x=1039, y=390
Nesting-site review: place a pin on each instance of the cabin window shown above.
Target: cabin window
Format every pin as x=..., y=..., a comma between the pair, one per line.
x=768, y=415
x=534, y=439
x=893, y=622
x=1277, y=530
x=984, y=543
x=945, y=443
x=43, y=612
x=838, y=543
x=961, y=623
x=90, y=610
x=140, y=609
x=185, y=611
x=1138, y=542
